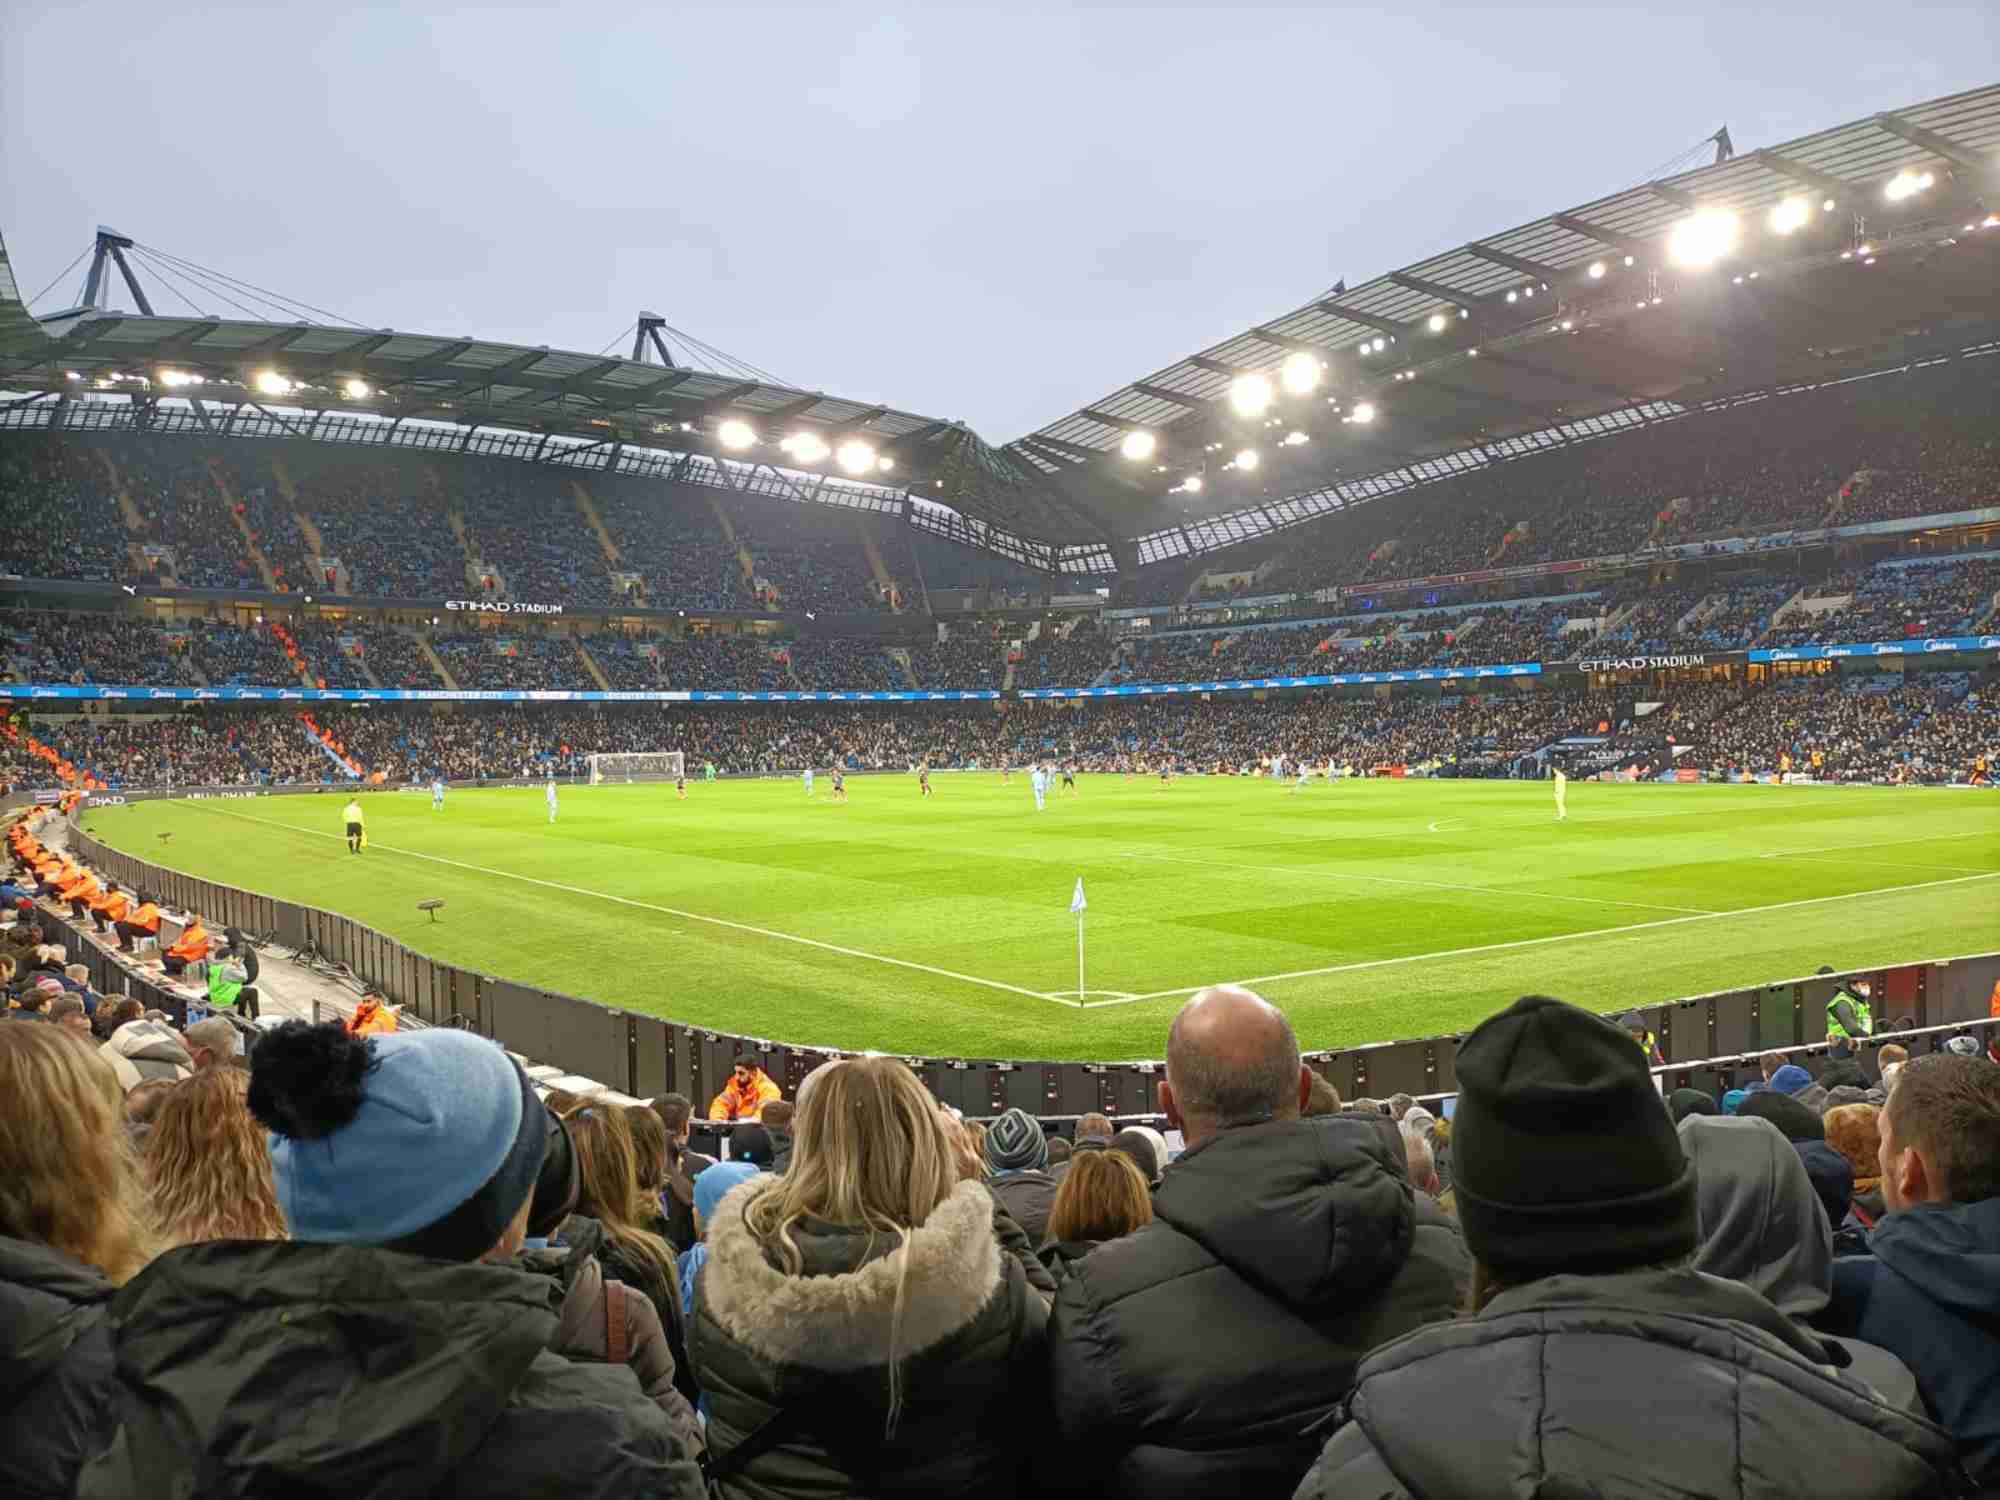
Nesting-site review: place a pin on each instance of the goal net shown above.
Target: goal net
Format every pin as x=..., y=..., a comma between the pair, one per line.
x=637, y=765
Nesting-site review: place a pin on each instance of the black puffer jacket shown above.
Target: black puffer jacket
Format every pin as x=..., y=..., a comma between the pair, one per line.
x=1028, y=1198
x=813, y=1353
x=1191, y=1358
x=1627, y=1387
x=55, y=1367
x=250, y=1369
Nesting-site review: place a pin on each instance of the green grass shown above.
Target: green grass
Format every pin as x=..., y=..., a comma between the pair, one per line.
x=1360, y=908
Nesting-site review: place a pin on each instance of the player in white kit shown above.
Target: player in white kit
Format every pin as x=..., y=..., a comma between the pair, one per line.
x=550, y=793
x=1039, y=779
x=437, y=794
x=809, y=781
x=1562, y=787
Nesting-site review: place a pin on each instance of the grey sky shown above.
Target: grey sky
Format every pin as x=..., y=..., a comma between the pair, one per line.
x=984, y=213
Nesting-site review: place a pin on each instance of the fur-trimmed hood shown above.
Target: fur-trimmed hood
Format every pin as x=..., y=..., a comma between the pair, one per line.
x=838, y=1316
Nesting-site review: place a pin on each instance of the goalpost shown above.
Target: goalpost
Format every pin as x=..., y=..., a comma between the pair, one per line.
x=637, y=765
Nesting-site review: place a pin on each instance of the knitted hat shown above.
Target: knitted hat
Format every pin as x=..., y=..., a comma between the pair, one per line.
x=1015, y=1143
x=752, y=1144
x=1793, y=1119
x=1847, y=1093
x=717, y=1180
x=1962, y=1046
x=1564, y=1157
x=557, y=1186
x=50, y=986
x=423, y=1141
x=1791, y=1078
x=1732, y=1101
x=1684, y=1102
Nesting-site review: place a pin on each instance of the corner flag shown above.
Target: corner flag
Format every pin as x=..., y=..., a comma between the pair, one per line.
x=1076, y=903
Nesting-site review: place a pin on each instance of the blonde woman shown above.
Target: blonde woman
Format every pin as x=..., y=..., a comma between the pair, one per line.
x=71, y=1233
x=860, y=1330
x=208, y=1166
x=1103, y=1196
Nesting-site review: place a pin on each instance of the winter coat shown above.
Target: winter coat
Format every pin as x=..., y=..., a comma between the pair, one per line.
x=585, y=1236
x=678, y=1208
x=1930, y=1294
x=1192, y=1357
x=256, y=1369
x=1028, y=1196
x=141, y=1051
x=1060, y=1255
x=55, y=1367
x=584, y=1331
x=744, y=1101
x=1763, y=1225
x=1625, y=1387
x=814, y=1353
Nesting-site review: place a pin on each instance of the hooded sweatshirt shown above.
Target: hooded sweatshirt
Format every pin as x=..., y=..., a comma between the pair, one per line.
x=1762, y=1225
x=141, y=1051
x=1930, y=1294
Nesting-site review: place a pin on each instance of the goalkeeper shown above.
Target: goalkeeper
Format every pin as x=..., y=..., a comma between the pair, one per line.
x=357, y=828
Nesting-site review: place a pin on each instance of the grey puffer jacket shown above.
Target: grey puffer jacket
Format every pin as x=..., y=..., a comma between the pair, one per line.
x=1196, y=1356
x=1639, y=1386
x=56, y=1374
x=813, y=1352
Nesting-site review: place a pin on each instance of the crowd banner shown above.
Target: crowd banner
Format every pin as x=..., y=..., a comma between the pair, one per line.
x=645, y=1056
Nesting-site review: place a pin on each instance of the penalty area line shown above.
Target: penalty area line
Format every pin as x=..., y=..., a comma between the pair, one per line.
x=670, y=911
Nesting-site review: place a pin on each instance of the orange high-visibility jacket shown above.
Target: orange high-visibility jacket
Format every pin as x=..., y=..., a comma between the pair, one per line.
x=192, y=944
x=745, y=1101
x=147, y=918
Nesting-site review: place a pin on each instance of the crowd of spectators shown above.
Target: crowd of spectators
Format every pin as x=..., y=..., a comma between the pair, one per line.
x=679, y=549
x=385, y=519
x=821, y=663
x=58, y=515
x=1074, y=660
x=492, y=660
x=93, y=648
x=525, y=523
x=1948, y=597
x=969, y=661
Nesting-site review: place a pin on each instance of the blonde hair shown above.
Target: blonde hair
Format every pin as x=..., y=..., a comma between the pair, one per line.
x=1103, y=1196
x=67, y=1177
x=649, y=1148
x=207, y=1165
x=607, y=1175
x=970, y=1164
x=869, y=1152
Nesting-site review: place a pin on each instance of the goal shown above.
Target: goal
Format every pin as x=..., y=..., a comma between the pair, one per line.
x=637, y=765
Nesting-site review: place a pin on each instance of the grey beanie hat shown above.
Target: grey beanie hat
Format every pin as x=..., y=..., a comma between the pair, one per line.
x=1015, y=1143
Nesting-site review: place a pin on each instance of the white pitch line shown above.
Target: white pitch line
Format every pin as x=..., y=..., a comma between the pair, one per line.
x=1922, y=838
x=1873, y=864
x=671, y=911
x=1442, y=885
x=1561, y=937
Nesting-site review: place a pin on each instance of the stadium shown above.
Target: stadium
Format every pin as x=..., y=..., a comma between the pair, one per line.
x=1616, y=595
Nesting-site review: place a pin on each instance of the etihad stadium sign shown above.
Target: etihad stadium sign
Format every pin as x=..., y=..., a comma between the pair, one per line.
x=1640, y=663
x=502, y=607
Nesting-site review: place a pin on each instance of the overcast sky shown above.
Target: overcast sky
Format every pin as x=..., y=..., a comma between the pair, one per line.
x=994, y=214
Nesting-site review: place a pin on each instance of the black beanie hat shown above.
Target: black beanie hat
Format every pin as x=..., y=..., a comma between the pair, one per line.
x=558, y=1186
x=1564, y=1157
x=1684, y=1102
x=1795, y=1120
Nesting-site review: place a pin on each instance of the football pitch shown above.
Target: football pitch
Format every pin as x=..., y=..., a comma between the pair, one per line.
x=1368, y=910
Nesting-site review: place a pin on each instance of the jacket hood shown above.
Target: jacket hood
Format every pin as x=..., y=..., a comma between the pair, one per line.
x=839, y=1314
x=43, y=1297
x=150, y=1041
x=282, y=1363
x=1950, y=1251
x=1308, y=1210
x=1761, y=1223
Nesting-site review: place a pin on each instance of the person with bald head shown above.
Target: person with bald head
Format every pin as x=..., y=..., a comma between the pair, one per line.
x=1195, y=1356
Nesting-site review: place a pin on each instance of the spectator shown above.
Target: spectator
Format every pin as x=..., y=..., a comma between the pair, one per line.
x=1325, y=1098
x=1929, y=1291
x=1843, y=1067
x=142, y=1108
x=649, y=1163
x=746, y=1093
x=145, y=1051
x=1684, y=1102
x=384, y=1349
x=213, y=1043
x=708, y=1194
x=778, y=1124
x=1595, y=1362
x=1890, y=1060
x=1420, y=1162
x=752, y=1144
x=1854, y=1130
x=1793, y=1119
x=861, y=1307
x=1103, y=1197
x=1298, y=1236
x=71, y=1233
x=682, y=1168
x=207, y=1167
x=1017, y=1159
x=1146, y=1147
x=1093, y=1127
x=68, y=1013
x=1060, y=1151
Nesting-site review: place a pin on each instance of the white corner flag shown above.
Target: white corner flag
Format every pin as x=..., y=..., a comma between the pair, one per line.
x=1076, y=903
x=1077, y=907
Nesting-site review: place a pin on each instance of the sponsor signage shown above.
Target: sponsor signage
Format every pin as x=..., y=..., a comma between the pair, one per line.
x=502, y=607
x=1928, y=647
x=1641, y=663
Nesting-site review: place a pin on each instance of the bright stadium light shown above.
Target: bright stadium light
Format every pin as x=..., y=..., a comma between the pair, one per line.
x=357, y=390
x=1364, y=412
x=884, y=464
x=173, y=380
x=736, y=434
x=805, y=447
x=1138, y=445
x=1192, y=484
x=1703, y=238
x=1513, y=296
x=1827, y=206
x=1294, y=439
x=1300, y=372
x=1365, y=349
x=271, y=383
x=1790, y=215
x=1437, y=322
x=855, y=456
x=1379, y=344
x=1247, y=460
x=1907, y=184
x=1597, y=270
x=1250, y=394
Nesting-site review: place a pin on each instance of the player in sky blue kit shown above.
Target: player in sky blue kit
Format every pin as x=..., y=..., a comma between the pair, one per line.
x=1039, y=780
x=550, y=792
x=437, y=794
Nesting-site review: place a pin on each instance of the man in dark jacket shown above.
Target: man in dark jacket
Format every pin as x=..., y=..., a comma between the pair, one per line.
x=1930, y=1290
x=385, y=1350
x=55, y=1366
x=1195, y=1356
x=1017, y=1155
x=1597, y=1364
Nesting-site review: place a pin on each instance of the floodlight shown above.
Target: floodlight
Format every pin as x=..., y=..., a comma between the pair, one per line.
x=1597, y=270
x=806, y=447
x=884, y=464
x=1436, y=322
x=72, y=374
x=736, y=434
x=1192, y=484
x=174, y=379
x=1299, y=372
x=1138, y=445
x=357, y=390
x=1250, y=394
x=1365, y=349
x=1907, y=184
x=271, y=383
x=1247, y=460
x=1513, y=296
x=1364, y=412
x=1628, y=260
x=1703, y=238
x=1379, y=344
x=1790, y=215
x=855, y=456
x=1294, y=438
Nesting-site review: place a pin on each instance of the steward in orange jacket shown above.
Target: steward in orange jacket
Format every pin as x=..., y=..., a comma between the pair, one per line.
x=143, y=923
x=191, y=947
x=112, y=906
x=371, y=1018
x=743, y=1098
